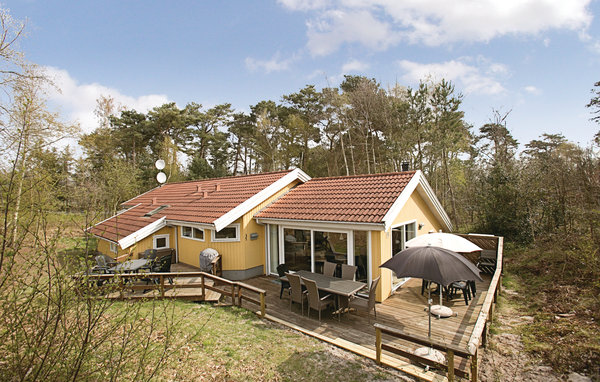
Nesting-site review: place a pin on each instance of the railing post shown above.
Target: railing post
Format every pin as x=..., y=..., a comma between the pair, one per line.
x=378, y=345
x=262, y=304
x=474, y=367
x=203, y=289
x=162, y=286
x=450, y=357
x=232, y=294
x=239, y=296
x=121, y=288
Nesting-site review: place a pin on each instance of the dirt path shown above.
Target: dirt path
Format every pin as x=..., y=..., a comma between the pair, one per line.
x=505, y=359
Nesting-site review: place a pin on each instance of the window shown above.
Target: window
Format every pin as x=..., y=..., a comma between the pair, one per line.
x=161, y=241
x=113, y=247
x=229, y=233
x=192, y=233
x=154, y=211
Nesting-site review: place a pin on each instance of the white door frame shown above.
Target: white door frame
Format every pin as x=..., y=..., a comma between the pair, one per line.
x=414, y=221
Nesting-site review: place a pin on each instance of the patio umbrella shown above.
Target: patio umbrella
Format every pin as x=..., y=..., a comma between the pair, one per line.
x=444, y=240
x=436, y=264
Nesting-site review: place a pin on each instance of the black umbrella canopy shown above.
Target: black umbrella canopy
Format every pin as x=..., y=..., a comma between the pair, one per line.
x=436, y=264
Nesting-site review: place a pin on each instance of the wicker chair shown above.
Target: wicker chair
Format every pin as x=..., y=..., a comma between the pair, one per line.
x=329, y=268
x=314, y=300
x=348, y=271
x=366, y=305
x=296, y=293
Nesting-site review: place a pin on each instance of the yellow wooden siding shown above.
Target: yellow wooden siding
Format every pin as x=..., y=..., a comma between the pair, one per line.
x=416, y=208
x=140, y=246
x=239, y=255
x=380, y=253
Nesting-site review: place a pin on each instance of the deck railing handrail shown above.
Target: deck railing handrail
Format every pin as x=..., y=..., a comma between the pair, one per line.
x=235, y=293
x=478, y=335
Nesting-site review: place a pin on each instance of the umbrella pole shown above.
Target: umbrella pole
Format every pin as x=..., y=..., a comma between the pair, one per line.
x=429, y=315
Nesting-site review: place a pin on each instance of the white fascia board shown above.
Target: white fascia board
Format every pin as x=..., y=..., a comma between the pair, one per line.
x=395, y=209
x=322, y=224
x=434, y=203
x=260, y=197
x=190, y=224
x=142, y=233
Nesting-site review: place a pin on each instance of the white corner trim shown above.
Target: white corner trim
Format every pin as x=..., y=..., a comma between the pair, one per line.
x=395, y=209
x=434, y=202
x=142, y=233
x=260, y=197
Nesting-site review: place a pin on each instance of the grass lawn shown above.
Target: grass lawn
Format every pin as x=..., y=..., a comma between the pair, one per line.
x=233, y=344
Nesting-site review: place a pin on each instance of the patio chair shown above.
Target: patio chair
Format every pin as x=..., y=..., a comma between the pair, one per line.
x=296, y=293
x=282, y=269
x=462, y=286
x=348, y=272
x=366, y=305
x=103, y=264
x=161, y=265
x=329, y=268
x=314, y=300
x=149, y=254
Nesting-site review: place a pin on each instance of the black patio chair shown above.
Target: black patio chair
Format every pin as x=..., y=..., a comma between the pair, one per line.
x=161, y=265
x=282, y=269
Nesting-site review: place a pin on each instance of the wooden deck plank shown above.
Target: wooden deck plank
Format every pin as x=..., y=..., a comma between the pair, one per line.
x=405, y=309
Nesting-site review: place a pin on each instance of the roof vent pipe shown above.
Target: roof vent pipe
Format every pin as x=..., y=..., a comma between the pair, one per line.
x=205, y=194
x=198, y=188
x=154, y=201
x=405, y=166
x=218, y=187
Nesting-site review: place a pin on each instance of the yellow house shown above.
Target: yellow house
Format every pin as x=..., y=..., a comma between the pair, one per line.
x=257, y=222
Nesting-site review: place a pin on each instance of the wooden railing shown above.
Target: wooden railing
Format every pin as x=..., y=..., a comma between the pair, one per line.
x=105, y=284
x=478, y=336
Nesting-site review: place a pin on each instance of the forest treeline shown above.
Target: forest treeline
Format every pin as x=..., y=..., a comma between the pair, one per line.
x=485, y=180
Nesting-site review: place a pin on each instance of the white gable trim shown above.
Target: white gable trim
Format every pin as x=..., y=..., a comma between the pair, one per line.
x=142, y=233
x=260, y=197
x=434, y=203
x=419, y=183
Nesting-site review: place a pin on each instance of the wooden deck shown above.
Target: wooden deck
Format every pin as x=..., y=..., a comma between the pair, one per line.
x=404, y=310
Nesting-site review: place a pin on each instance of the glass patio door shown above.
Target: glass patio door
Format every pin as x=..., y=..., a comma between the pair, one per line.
x=400, y=235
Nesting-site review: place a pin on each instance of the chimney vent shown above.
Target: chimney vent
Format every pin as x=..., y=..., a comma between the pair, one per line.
x=218, y=187
x=154, y=201
x=198, y=188
x=405, y=166
x=205, y=194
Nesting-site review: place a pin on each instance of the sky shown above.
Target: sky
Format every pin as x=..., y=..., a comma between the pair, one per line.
x=537, y=59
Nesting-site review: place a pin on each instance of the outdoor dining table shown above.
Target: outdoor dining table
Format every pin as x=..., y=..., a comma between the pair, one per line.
x=334, y=285
x=130, y=266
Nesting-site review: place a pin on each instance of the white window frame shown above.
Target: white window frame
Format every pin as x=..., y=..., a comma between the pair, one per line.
x=414, y=221
x=113, y=247
x=237, y=234
x=156, y=237
x=192, y=237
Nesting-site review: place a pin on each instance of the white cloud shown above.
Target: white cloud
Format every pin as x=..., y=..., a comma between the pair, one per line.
x=354, y=66
x=532, y=90
x=275, y=64
x=336, y=27
x=79, y=100
x=378, y=24
x=471, y=78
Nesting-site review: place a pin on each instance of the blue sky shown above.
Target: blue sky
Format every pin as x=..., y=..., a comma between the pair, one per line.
x=537, y=58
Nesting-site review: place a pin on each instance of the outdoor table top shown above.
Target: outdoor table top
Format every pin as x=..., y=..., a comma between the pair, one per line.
x=333, y=285
x=130, y=266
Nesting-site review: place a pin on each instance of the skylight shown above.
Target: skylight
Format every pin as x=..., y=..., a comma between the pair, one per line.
x=154, y=211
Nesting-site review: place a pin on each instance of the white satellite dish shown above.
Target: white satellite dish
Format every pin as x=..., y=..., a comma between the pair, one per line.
x=160, y=164
x=161, y=177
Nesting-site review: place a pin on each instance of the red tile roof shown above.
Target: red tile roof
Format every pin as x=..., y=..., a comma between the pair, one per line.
x=201, y=201
x=356, y=199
